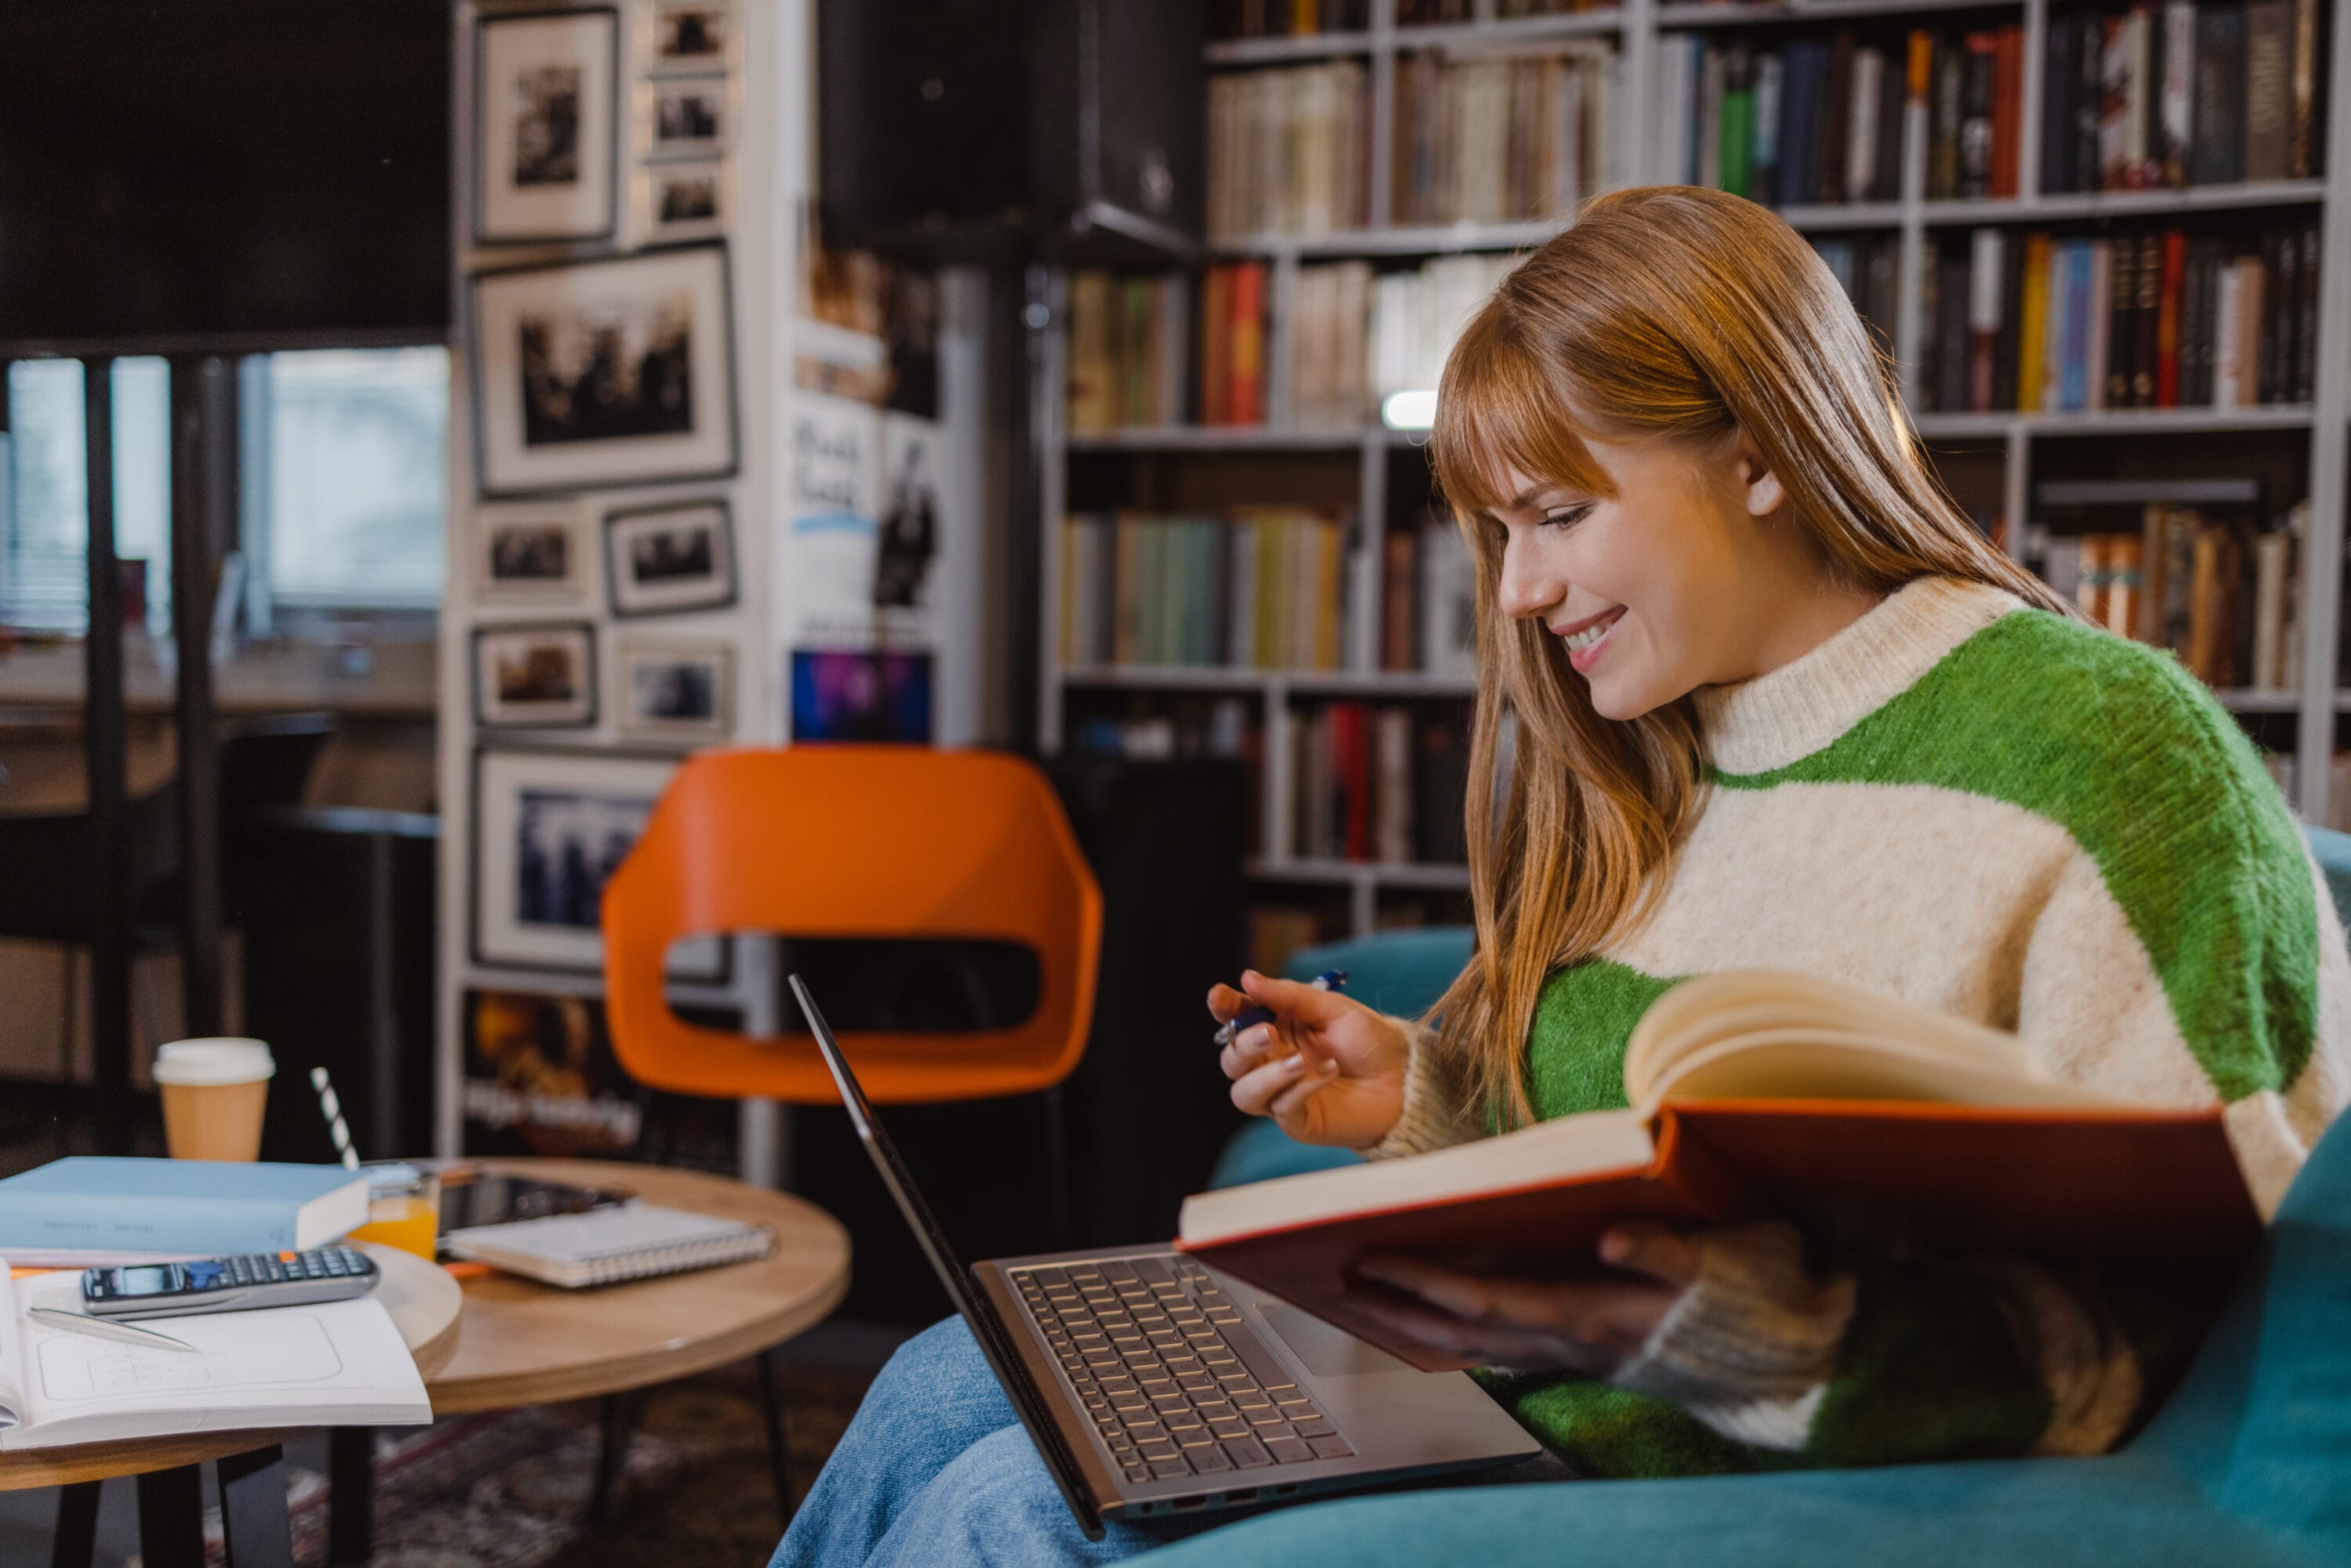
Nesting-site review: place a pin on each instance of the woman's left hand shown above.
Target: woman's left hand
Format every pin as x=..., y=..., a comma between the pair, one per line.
x=1588, y=1326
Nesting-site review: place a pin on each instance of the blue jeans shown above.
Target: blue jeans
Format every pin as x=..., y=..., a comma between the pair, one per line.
x=936, y=1471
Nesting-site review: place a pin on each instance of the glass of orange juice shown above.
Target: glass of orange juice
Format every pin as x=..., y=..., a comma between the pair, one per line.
x=404, y=1207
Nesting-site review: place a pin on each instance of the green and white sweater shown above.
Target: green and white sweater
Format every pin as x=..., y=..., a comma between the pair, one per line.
x=1979, y=806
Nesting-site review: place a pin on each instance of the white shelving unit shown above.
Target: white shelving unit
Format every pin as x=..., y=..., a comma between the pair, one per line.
x=1638, y=26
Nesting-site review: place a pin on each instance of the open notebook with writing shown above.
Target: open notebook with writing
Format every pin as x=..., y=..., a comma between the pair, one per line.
x=332, y=1363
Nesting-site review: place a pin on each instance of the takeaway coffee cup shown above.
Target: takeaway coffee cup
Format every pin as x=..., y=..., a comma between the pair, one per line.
x=213, y=1094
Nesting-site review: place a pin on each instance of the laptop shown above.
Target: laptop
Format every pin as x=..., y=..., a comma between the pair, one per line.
x=1153, y=1384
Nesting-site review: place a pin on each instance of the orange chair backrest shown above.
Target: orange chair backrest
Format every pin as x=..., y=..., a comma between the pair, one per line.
x=853, y=841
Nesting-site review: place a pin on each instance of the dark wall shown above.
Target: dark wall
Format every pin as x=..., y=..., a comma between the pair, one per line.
x=257, y=172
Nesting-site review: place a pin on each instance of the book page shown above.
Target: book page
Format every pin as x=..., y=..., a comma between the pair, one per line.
x=12, y=1355
x=320, y=1365
x=1706, y=1019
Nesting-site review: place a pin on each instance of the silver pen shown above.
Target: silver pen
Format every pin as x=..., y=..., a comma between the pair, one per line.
x=103, y=1328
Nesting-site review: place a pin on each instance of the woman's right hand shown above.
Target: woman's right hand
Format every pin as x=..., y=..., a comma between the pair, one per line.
x=1328, y=1070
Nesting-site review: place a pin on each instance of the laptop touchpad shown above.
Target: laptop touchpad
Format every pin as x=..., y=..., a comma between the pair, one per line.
x=1325, y=1351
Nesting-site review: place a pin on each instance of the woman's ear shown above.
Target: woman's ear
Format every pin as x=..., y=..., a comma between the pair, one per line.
x=1759, y=485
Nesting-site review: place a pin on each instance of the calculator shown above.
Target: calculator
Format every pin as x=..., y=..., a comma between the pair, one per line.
x=227, y=1284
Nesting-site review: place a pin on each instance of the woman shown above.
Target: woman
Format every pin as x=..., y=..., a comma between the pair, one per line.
x=1777, y=705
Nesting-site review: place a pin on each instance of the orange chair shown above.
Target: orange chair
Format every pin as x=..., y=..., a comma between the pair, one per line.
x=853, y=841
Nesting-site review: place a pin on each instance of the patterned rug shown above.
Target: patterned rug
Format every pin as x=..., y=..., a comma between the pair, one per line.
x=510, y=1490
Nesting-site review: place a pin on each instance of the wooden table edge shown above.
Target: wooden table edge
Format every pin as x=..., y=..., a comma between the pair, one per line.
x=640, y=1371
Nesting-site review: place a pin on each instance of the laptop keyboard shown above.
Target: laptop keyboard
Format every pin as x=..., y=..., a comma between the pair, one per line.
x=1174, y=1381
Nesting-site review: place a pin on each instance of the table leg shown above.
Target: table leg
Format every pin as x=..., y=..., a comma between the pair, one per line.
x=779, y=1453
x=255, y=1530
x=172, y=1518
x=351, y=1496
x=77, y=1537
x=620, y=1413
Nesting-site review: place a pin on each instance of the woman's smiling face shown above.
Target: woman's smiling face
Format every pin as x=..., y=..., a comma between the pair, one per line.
x=1654, y=587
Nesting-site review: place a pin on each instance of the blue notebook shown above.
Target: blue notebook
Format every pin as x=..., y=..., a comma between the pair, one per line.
x=176, y=1208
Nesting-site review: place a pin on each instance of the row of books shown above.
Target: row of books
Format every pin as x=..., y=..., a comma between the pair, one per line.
x=1160, y=727
x=2284, y=768
x=1820, y=120
x=1378, y=782
x=1287, y=150
x=1431, y=13
x=1261, y=586
x=1350, y=336
x=2216, y=592
x=1493, y=138
x=1869, y=269
x=2154, y=319
x=1288, y=19
x=2177, y=94
x=1428, y=601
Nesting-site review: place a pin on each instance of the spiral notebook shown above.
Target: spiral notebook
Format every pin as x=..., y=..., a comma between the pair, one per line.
x=632, y=1242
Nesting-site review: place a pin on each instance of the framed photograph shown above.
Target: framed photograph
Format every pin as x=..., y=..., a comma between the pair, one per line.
x=860, y=693
x=674, y=690
x=550, y=828
x=534, y=677
x=530, y=554
x=689, y=118
x=691, y=36
x=665, y=560
x=686, y=201
x=615, y=371
x=547, y=126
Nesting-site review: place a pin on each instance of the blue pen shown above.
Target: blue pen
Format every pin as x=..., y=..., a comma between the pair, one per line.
x=1251, y=1017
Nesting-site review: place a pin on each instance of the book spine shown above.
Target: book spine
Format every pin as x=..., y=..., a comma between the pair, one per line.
x=2145, y=320
x=2122, y=301
x=1764, y=177
x=2100, y=314
x=2167, y=320
x=1984, y=278
x=2228, y=352
x=2114, y=103
x=185, y=1224
x=2269, y=90
x=2006, y=96
x=2057, y=71
x=2089, y=101
x=1245, y=402
x=1975, y=124
x=2178, y=115
x=2218, y=158
x=1216, y=346
x=1829, y=163
x=2033, y=325
x=2301, y=149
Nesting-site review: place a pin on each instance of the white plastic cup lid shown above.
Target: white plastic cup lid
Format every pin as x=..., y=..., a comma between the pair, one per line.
x=226, y=1059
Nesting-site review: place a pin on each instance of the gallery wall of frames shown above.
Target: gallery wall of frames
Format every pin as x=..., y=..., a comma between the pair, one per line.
x=713, y=485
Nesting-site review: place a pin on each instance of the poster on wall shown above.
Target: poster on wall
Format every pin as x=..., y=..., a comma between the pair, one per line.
x=541, y=1079
x=546, y=126
x=549, y=829
x=864, y=545
x=615, y=371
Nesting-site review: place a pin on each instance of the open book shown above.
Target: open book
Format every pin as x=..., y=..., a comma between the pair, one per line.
x=1756, y=1092
x=332, y=1363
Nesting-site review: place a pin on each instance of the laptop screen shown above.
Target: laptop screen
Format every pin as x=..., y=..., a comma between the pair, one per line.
x=979, y=1313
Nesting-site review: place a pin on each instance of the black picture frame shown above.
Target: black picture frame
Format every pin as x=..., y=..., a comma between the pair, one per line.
x=480, y=236
x=483, y=706
x=483, y=953
x=620, y=581
x=725, y=430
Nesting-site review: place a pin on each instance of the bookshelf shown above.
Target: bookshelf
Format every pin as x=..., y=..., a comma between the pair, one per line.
x=2012, y=445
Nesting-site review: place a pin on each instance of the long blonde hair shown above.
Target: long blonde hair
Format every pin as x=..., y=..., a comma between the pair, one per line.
x=1668, y=313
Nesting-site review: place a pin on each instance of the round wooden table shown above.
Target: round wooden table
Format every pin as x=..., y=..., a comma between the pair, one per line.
x=528, y=1343
x=424, y=1302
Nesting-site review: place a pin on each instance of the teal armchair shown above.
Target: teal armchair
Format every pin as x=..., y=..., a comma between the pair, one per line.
x=2247, y=1464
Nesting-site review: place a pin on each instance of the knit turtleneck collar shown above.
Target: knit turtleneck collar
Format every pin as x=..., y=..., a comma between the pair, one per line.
x=1788, y=713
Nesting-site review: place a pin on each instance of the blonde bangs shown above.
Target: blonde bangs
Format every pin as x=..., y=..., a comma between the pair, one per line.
x=1501, y=410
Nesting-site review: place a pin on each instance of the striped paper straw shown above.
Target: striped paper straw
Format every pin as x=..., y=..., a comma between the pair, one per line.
x=332, y=1109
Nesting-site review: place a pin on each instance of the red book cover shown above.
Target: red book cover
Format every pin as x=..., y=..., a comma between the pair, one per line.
x=2064, y=1185
x=2167, y=320
x=1216, y=346
x=2007, y=100
x=1353, y=756
x=1247, y=397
